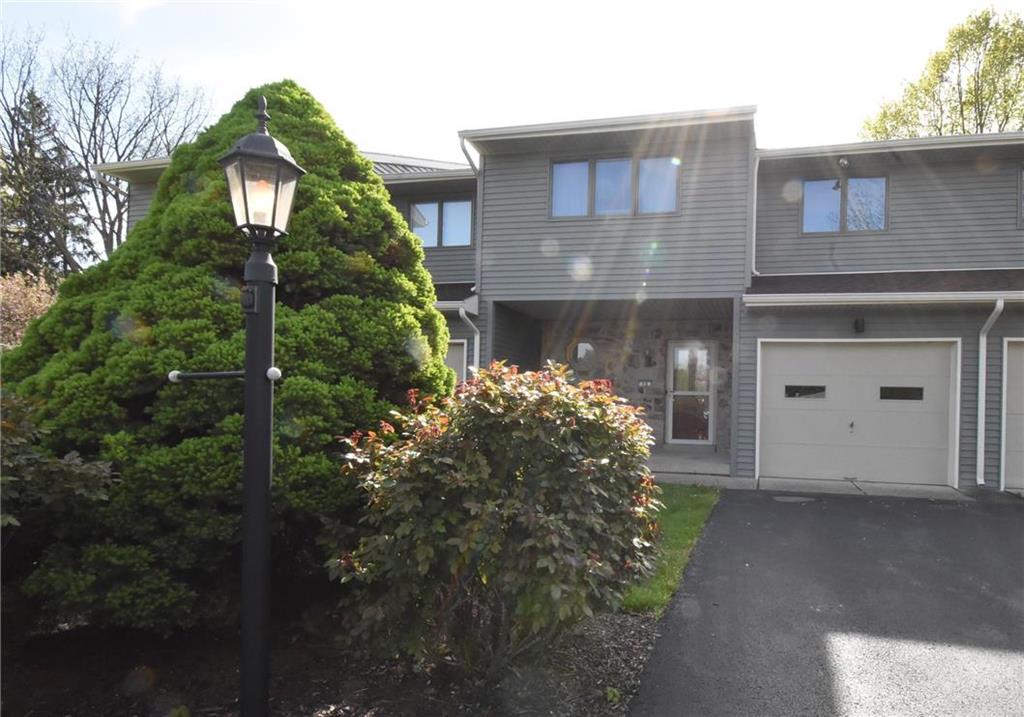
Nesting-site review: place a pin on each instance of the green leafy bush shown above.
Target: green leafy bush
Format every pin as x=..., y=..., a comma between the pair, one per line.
x=499, y=517
x=356, y=329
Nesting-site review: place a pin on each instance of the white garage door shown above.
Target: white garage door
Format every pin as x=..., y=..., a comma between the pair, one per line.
x=1013, y=476
x=859, y=411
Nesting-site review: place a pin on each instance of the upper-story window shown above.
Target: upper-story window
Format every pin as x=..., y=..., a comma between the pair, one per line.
x=615, y=187
x=442, y=223
x=844, y=204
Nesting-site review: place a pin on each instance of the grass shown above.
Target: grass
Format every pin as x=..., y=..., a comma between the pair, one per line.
x=682, y=520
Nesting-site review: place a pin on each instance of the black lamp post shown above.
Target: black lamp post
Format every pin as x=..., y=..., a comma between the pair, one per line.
x=261, y=178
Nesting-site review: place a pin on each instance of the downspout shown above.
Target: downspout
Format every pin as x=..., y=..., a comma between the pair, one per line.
x=979, y=468
x=462, y=144
x=753, y=211
x=476, y=336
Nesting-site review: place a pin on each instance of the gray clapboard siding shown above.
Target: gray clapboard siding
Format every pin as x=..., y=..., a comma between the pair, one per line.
x=447, y=265
x=515, y=337
x=699, y=251
x=140, y=196
x=959, y=214
x=884, y=323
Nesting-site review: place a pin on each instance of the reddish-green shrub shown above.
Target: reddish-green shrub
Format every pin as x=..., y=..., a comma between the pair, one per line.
x=498, y=517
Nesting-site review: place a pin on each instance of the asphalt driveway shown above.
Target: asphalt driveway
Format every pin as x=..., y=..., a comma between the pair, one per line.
x=845, y=605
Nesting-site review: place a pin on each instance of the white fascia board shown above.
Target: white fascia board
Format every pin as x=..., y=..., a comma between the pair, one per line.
x=471, y=304
x=635, y=122
x=852, y=299
x=145, y=169
x=897, y=145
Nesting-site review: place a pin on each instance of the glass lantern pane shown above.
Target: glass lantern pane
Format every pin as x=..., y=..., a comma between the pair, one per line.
x=260, y=190
x=285, y=196
x=235, y=190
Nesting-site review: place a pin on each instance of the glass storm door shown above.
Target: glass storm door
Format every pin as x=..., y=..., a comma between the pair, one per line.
x=690, y=399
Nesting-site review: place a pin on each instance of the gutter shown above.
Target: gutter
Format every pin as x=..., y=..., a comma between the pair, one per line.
x=881, y=298
x=470, y=305
x=465, y=151
x=753, y=211
x=979, y=468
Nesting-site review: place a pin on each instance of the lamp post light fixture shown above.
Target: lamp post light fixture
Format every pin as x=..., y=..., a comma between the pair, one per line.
x=261, y=177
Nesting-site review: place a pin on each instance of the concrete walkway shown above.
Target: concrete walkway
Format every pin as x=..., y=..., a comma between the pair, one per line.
x=846, y=605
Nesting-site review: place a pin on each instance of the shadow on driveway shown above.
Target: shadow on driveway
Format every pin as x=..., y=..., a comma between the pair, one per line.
x=846, y=605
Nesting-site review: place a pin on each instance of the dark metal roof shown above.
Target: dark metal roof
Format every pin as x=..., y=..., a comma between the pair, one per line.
x=897, y=281
x=398, y=164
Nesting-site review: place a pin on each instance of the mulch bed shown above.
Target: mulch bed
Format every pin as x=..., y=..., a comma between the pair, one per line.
x=594, y=669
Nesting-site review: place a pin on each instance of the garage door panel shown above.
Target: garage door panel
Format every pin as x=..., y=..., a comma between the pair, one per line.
x=904, y=438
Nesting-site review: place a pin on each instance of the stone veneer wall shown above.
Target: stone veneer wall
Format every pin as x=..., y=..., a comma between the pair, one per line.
x=629, y=352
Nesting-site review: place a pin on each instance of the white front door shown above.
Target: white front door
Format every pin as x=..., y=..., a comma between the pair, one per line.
x=690, y=398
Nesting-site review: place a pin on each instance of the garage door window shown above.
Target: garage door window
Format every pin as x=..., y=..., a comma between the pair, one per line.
x=805, y=391
x=901, y=393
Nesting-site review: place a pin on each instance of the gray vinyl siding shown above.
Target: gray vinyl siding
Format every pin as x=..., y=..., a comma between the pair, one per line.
x=833, y=323
x=942, y=215
x=698, y=251
x=515, y=338
x=140, y=196
x=447, y=265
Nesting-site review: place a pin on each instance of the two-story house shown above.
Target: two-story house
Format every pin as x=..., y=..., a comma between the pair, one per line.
x=851, y=314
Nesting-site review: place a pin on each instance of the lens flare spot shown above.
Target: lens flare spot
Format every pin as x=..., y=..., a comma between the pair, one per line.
x=791, y=191
x=129, y=328
x=676, y=161
x=986, y=164
x=140, y=680
x=581, y=268
x=550, y=247
x=225, y=289
x=641, y=296
x=416, y=347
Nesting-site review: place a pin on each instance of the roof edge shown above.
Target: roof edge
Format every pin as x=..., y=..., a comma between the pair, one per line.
x=995, y=139
x=856, y=299
x=633, y=122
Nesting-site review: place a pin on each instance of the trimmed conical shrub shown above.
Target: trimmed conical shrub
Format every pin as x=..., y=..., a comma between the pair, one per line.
x=356, y=330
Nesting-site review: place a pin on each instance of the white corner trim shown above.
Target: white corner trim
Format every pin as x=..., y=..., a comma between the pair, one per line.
x=1007, y=340
x=882, y=298
x=953, y=459
x=979, y=454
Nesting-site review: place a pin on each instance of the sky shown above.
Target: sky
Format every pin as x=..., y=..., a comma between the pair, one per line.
x=404, y=77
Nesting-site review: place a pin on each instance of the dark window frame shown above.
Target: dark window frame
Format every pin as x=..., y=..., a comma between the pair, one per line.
x=440, y=201
x=592, y=161
x=799, y=395
x=844, y=180
x=911, y=393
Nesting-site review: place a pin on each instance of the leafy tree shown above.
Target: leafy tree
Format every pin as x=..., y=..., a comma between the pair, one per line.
x=356, y=330
x=43, y=228
x=973, y=85
x=23, y=299
x=498, y=518
x=107, y=108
